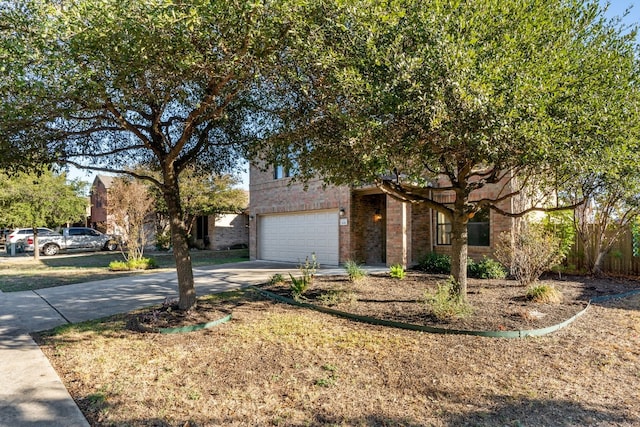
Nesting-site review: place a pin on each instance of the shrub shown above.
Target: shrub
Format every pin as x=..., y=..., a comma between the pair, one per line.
x=308, y=270
x=435, y=263
x=337, y=296
x=133, y=264
x=544, y=293
x=488, y=268
x=397, y=271
x=354, y=271
x=163, y=241
x=444, y=304
x=534, y=250
x=276, y=279
x=298, y=286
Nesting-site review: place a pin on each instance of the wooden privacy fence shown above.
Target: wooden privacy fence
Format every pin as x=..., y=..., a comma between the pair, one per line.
x=620, y=260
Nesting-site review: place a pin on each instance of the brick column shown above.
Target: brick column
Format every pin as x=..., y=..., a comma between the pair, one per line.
x=398, y=232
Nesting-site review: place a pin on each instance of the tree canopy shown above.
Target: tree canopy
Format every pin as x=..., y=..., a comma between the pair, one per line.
x=425, y=98
x=42, y=199
x=108, y=84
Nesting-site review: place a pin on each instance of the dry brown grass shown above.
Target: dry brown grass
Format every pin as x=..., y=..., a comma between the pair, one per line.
x=275, y=364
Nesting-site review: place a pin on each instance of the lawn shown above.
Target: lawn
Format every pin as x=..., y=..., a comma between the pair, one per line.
x=275, y=364
x=24, y=273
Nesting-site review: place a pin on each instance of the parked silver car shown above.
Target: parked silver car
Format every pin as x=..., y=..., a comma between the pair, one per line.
x=82, y=238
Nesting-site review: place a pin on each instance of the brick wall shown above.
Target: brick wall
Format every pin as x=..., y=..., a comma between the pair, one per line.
x=229, y=231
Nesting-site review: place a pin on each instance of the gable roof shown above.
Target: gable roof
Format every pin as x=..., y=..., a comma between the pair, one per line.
x=105, y=179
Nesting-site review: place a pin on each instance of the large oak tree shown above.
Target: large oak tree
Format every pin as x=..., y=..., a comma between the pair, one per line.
x=109, y=84
x=405, y=94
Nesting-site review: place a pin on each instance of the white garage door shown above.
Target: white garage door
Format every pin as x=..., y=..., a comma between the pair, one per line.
x=293, y=237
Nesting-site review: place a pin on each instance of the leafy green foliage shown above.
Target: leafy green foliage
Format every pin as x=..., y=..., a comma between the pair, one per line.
x=544, y=293
x=435, y=263
x=397, y=271
x=298, y=286
x=112, y=84
x=40, y=199
x=488, y=268
x=133, y=264
x=635, y=232
x=444, y=304
x=355, y=272
x=463, y=94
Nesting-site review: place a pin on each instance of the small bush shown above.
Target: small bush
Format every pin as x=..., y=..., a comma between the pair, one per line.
x=163, y=241
x=533, y=250
x=354, y=271
x=544, y=293
x=308, y=269
x=397, y=271
x=488, y=268
x=444, y=305
x=435, y=263
x=133, y=264
x=299, y=286
x=337, y=296
x=276, y=279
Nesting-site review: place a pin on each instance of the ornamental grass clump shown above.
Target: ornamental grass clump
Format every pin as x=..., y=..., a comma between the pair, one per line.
x=444, y=304
x=544, y=293
x=354, y=271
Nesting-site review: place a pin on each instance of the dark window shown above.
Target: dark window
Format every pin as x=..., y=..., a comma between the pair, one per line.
x=279, y=172
x=202, y=227
x=478, y=228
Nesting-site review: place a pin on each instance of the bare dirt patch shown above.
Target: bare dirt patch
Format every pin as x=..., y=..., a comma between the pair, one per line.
x=275, y=364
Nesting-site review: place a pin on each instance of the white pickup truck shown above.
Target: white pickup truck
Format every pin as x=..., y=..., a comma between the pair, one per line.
x=82, y=238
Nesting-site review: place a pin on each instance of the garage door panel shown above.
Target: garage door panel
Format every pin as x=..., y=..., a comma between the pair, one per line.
x=293, y=237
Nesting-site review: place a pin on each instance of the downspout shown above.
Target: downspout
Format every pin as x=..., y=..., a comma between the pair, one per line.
x=432, y=240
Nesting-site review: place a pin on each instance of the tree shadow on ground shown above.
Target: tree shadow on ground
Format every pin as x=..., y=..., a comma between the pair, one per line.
x=505, y=411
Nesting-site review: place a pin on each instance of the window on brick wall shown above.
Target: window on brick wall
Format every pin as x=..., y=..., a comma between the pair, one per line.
x=478, y=229
x=443, y=229
x=280, y=171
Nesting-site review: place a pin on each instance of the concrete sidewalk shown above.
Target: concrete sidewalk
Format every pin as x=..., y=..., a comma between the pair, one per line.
x=31, y=393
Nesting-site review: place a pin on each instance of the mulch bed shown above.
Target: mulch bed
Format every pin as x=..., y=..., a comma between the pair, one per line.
x=497, y=304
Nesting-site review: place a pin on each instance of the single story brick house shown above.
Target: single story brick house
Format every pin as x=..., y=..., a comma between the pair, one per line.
x=287, y=223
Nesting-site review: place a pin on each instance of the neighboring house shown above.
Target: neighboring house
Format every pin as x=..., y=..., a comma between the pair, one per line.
x=222, y=232
x=218, y=232
x=361, y=224
x=100, y=219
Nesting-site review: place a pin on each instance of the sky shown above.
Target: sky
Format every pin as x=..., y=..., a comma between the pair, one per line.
x=616, y=8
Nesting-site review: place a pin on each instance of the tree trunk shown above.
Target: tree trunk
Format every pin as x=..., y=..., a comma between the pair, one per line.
x=186, y=285
x=459, y=251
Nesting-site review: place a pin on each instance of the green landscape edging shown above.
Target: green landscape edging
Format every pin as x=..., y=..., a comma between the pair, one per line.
x=424, y=328
x=197, y=327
